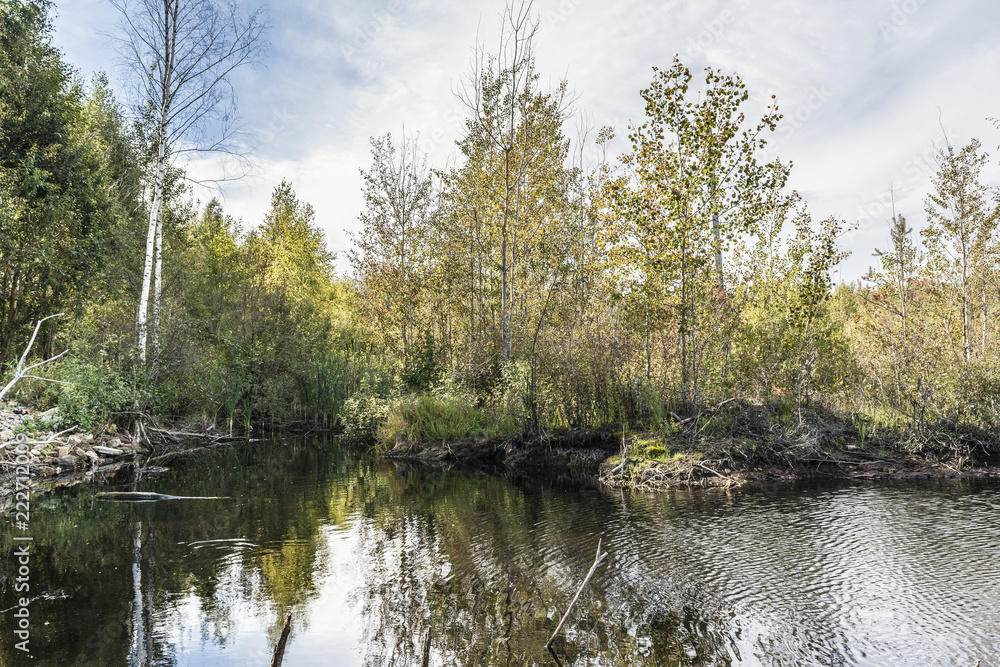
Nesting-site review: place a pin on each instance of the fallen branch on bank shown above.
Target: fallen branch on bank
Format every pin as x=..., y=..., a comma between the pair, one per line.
x=729, y=480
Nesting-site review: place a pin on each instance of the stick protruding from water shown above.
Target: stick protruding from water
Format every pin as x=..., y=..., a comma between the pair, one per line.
x=279, y=649
x=597, y=561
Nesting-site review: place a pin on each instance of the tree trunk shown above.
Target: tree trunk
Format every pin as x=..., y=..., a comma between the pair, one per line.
x=157, y=280
x=154, y=216
x=683, y=326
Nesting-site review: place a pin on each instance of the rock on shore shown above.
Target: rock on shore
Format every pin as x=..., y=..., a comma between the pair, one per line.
x=30, y=442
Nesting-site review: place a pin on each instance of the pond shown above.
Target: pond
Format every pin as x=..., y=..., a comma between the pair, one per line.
x=366, y=555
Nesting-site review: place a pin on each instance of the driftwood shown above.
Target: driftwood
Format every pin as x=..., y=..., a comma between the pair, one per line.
x=279, y=649
x=147, y=496
x=597, y=561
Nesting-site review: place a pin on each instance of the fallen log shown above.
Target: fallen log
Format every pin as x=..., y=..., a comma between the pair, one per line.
x=147, y=496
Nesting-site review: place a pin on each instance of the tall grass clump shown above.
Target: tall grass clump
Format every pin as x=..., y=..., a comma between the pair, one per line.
x=323, y=385
x=441, y=416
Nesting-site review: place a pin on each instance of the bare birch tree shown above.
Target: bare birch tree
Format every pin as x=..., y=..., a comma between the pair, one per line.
x=181, y=53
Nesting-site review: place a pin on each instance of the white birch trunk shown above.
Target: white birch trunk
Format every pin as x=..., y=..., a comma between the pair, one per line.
x=154, y=216
x=157, y=278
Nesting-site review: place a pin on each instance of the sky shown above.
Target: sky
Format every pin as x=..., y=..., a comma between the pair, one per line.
x=870, y=89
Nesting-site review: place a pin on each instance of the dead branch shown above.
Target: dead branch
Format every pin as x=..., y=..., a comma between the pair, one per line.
x=21, y=372
x=279, y=649
x=597, y=561
x=426, y=659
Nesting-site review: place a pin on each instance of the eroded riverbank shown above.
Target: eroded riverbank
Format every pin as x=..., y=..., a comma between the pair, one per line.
x=646, y=463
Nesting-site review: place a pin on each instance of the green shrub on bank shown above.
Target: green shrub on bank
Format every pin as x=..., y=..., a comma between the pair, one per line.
x=92, y=395
x=364, y=414
x=365, y=411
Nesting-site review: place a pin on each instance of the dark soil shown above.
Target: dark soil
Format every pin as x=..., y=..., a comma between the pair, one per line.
x=707, y=463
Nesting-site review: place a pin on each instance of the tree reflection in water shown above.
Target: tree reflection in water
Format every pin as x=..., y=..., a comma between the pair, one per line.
x=363, y=555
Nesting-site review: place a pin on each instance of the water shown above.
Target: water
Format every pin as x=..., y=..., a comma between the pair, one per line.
x=366, y=556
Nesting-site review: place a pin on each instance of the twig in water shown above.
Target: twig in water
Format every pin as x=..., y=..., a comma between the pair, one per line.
x=597, y=561
x=279, y=649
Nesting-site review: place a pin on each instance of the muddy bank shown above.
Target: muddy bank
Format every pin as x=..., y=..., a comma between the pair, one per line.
x=693, y=471
x=574, y=453
x=586, y=456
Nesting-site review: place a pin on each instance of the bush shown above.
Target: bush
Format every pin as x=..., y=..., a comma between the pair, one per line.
x=94, y=393
x=364, y=413
x=424, y=369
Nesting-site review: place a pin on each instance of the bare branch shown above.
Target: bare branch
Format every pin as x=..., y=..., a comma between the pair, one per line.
x=20, y=371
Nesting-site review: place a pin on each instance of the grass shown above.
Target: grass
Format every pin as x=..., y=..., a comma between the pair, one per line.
x=431, y=418
x=654, y=448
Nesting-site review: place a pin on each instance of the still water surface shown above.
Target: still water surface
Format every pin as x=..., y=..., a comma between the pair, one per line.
x=366, y=555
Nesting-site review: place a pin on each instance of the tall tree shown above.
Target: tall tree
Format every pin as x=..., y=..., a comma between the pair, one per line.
x=515, y=154
x=55, y=214
x=961, y=230
x=399, y=200
x=181, y=53
x=816, y=253
x=692, y=182
x=899, y=264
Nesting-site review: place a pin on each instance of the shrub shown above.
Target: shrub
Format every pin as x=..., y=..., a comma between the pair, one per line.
x=364, y=413
x=424, y=369
x=94, y=393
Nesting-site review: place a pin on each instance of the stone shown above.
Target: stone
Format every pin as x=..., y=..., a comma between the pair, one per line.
x=49, y=414
x=79, y=452
x=66, y=461
x=6, y=436
x=47, y=471
x=63, y=451
x=115, y=443
x=108, y=451
x=92, y=456
x=74, y=439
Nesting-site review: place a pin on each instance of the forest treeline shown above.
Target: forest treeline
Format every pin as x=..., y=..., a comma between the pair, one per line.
x=518, y=290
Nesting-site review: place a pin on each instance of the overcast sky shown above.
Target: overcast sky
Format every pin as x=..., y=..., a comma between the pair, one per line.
x=865, y=87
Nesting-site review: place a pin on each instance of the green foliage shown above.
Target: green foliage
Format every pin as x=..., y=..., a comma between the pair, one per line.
x=440, y=417
x=55, y=213
x=522, y=295
x=324, y=383
x=95, y=393
x=424, y=368
x=364, y=414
